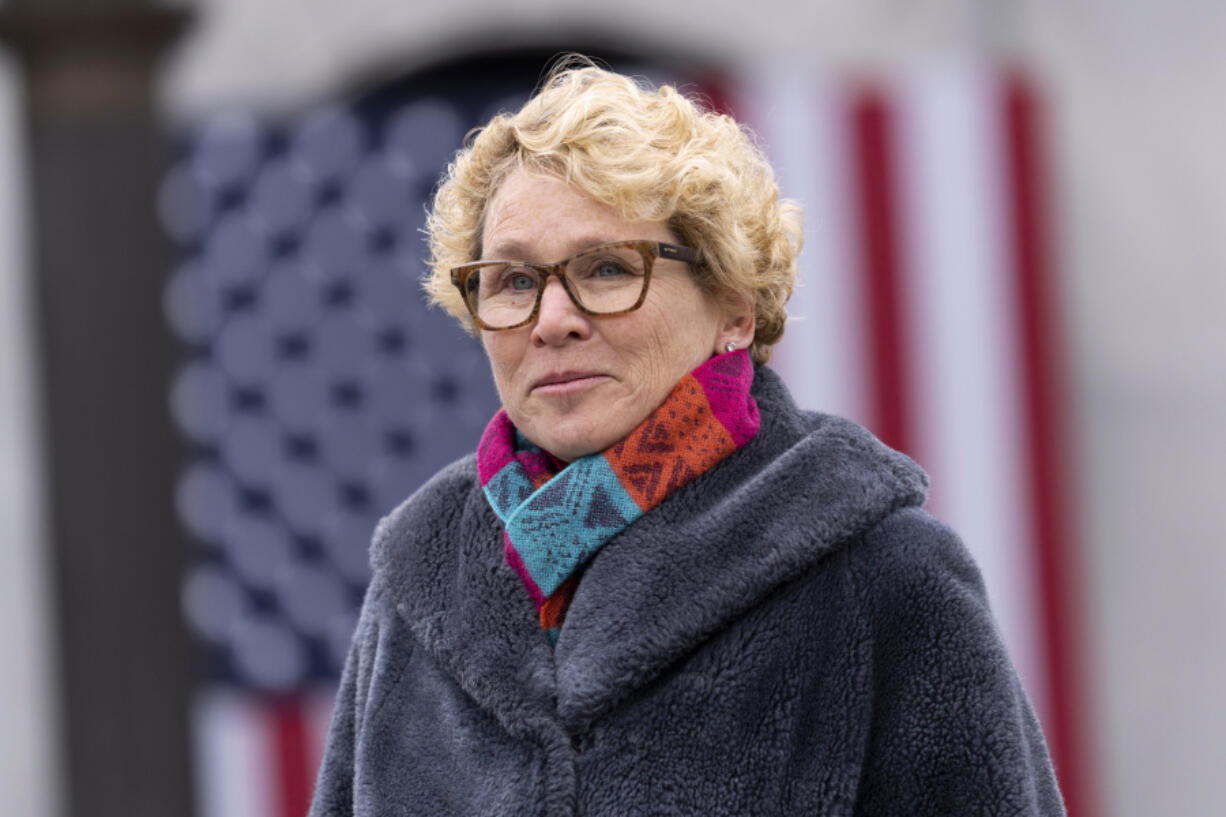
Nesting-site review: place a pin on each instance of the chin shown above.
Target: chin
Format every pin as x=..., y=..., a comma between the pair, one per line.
x=570, y=444
x=569, y=450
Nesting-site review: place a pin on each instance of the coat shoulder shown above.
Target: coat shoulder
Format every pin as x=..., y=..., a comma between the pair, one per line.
x=911, y=552
x=426, y=516
x=946, y=697
x=924, y=597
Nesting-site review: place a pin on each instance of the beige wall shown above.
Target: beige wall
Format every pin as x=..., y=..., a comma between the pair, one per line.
x=1140, y=121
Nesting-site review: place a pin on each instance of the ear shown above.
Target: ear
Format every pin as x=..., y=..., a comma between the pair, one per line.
x=738, y=324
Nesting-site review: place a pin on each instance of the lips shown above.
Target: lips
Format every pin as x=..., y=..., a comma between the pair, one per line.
x=559, y=380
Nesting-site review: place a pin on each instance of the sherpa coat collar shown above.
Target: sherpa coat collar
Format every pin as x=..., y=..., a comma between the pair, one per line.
x=694, y=563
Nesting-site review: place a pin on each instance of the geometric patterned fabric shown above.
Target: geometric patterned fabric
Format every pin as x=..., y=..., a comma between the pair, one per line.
x=557, y=516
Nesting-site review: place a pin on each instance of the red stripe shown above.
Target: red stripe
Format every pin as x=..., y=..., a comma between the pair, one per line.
x=291, y=763
x=1044, y=401
x=879, y=240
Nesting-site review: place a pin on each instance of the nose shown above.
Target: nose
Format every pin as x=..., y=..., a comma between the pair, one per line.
x=558, y=319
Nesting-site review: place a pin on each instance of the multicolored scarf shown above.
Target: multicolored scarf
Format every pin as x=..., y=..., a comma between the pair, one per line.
x=557, y=516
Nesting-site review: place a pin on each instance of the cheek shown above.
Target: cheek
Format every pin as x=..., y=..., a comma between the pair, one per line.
x=500, y=350
x=682, y=331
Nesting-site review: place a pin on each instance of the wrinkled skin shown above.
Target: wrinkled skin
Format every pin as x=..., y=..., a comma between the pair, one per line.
x=575, y=384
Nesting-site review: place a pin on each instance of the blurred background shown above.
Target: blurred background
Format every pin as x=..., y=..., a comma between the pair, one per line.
x=216, y=371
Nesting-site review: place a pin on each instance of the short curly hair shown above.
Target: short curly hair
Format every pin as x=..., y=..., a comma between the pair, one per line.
x=652, y=155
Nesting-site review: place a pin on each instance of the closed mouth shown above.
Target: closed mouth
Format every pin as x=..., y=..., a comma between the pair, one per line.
x=561, y=378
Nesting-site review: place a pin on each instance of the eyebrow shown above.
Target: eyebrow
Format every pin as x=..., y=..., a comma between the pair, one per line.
x=517, y=251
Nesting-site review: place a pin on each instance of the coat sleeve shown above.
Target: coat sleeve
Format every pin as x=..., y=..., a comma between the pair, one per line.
x=950, y=731
x=334, y=786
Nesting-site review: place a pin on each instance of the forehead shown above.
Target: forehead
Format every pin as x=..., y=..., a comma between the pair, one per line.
x=537, y=216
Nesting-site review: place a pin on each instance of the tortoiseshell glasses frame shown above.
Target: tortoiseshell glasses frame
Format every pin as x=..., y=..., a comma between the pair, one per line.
x=466, y=278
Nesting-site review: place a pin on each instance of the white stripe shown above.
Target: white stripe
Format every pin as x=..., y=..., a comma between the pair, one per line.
x=804, y=127
x=964, y=340
x=234, y=756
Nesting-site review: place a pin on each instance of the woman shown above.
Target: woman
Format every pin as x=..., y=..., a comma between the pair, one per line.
x=658, y=587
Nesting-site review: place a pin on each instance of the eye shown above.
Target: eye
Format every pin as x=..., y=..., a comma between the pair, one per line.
x=605, y=266
x=516, y=279
x=520, y=282
x=609, y=268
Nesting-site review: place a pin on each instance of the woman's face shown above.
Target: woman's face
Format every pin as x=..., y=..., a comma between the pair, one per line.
x=572, y=383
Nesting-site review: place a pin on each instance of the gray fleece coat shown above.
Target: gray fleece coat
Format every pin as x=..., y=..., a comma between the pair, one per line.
x=788, y=634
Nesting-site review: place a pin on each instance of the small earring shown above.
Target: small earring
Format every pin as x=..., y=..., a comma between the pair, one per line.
x=729, y=347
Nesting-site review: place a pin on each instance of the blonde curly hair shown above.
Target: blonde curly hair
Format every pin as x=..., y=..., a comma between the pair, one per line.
x=652, y=155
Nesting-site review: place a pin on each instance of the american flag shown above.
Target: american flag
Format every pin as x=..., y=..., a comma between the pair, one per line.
x=316, y=391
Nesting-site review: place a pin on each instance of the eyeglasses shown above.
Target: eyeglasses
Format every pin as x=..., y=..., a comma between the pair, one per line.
x=611, y=279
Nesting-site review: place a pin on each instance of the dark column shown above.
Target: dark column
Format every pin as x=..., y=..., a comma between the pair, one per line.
x=99, y=264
